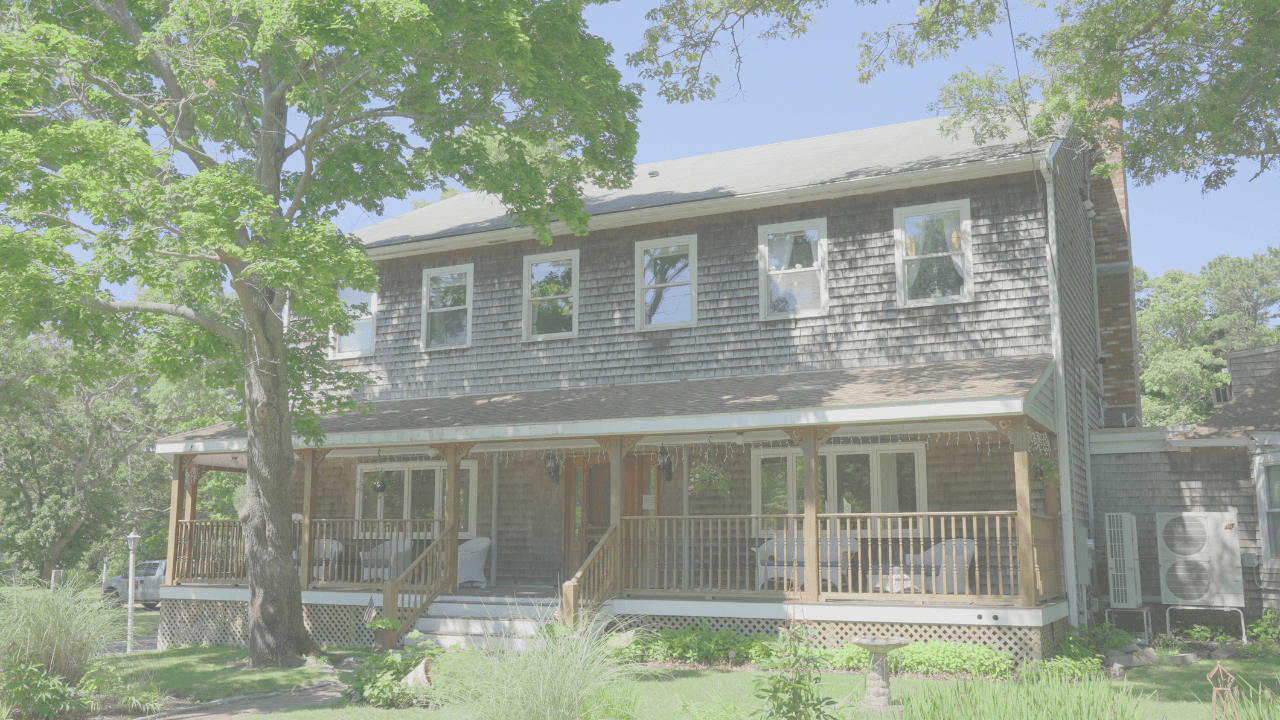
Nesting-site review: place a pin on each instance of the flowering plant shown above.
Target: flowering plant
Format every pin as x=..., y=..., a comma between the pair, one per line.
x=705, y=475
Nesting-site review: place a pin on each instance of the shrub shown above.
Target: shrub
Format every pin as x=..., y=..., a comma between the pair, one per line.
x=1266, y=628
x=950, y=658
x=850, y=657
x=102, y=688
x=559, y=674
x=59, y=631
x=1086, y=643
x=697, y=645
x=1052, y=699
x=383, y=623
x=791, y=691
x=1061, y=668
x=376, y=681
x=34, y=692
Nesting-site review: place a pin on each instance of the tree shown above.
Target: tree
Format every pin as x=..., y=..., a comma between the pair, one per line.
x=1188, y=322
x=1198, y=79
x=74, y=433
x=200, y=149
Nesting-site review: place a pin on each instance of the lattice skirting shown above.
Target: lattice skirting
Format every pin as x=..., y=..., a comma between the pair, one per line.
x=226, y=622
x=1025, y=643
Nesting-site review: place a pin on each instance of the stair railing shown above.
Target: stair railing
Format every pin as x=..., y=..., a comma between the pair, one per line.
x=599, y=578
x=427, y=577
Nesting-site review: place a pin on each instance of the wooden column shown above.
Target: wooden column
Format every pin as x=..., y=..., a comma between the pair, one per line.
x=810, y=439
x=1026, y=540
x=453, y=454
x=176, y=495
x=617, y=447
x=307, y=458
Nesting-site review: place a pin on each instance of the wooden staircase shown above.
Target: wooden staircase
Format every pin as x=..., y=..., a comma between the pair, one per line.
x=431, y=574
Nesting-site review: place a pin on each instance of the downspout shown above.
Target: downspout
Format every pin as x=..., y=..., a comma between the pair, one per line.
x=1066, y=503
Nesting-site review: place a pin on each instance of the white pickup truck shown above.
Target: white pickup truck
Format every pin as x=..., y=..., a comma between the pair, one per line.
x=149, y=576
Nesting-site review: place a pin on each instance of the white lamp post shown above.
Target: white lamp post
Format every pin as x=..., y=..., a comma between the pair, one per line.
x=133, y=539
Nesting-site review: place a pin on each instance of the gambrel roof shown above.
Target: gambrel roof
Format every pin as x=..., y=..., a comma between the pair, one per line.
x=812, y=162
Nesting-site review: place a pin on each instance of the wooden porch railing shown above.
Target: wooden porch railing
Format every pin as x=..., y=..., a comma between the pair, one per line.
x=210, y=551
x=884, y=557
x=368, y=553
x=596, y=581
x=431, y=574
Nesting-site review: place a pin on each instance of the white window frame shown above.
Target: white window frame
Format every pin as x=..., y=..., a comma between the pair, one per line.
x=966, y=249
x=441, y=467
x=692, y=242
x=1271, y=559
x=427, y=274
x=762, y=234
x=373, y=334
x=526, y=287
x=830, y=452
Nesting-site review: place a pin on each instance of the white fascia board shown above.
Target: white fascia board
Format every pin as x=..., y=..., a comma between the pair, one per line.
x=736, y=203
x=1034, y=412
x=1211, y=442
x=988, y=407
x=843, y=612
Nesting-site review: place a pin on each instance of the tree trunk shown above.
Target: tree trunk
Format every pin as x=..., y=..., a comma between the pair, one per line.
x=277, y=636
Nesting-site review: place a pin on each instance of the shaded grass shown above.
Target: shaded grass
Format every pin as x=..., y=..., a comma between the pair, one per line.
x=209, y=673
x=1187, y=683
x=146, y=622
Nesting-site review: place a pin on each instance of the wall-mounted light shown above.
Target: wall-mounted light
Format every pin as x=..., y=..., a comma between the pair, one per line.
x=665, y=464
x=553, y=467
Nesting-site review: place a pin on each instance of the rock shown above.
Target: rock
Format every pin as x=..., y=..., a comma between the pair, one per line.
x=419, y=676
x=1125, y=661
x=1130, y=648
x=1226, y=652
x=1117, y=654
x=622, y=639
x=1148, y=656
x=350, y=662
x=1184, y=659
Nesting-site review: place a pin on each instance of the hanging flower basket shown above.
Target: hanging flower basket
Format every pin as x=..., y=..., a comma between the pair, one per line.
x=1044, y=471
x=377, y=480
x=707, y=476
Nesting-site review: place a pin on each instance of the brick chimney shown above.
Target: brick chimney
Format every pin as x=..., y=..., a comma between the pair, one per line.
x=1117, y=311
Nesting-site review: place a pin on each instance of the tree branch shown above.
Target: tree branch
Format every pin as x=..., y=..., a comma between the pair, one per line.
x=213, y=325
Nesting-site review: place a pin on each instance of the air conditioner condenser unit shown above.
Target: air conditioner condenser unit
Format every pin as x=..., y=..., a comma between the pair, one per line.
x=1122, y=560
x=1200, y=559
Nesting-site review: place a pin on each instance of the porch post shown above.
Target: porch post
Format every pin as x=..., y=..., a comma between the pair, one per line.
x=176, y=495
x=1026, y=542
x=308, y=502
x=453, y=454
x=809, y=439
x=617, y=447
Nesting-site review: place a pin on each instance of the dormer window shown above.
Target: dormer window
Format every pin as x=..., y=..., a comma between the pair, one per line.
x=550, y=296
x=933, y=253
x=793, y=269
x=360, y=340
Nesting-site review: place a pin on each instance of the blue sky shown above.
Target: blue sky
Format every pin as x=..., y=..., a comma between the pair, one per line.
x=808, y=87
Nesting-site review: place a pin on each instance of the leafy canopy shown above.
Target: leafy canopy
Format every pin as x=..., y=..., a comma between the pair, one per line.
x=1200, y=90
x=200, y=150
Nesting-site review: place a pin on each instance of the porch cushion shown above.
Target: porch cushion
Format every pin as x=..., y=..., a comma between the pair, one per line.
x=386, y=554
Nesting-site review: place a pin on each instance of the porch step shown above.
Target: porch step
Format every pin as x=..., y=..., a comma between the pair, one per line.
x=485, y=622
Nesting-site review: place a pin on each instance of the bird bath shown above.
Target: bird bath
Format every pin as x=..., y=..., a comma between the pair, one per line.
x=878, y=672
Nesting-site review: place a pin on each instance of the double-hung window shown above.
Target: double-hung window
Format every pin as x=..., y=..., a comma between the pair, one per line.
x=415, y=491
x=793, y=269
x=886, y=480
x=933, y=253
x=446, y=307
x=667, y=283
x=551, y=295
x=360, y=340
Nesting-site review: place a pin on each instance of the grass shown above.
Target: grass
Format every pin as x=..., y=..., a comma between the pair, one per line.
x=210, y=673
x=146, y=622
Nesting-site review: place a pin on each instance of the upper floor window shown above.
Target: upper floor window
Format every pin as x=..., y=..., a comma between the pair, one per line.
x=550, y=295
x=793, y=269
x=933, y=253
x=360, y=340
x=446, y=307
x=667, y=282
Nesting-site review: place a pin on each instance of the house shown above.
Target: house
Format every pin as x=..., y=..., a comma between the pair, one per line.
x=847, y=381
x=1228, y=463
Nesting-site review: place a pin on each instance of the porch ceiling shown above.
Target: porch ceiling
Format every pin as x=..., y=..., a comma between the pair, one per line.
x=977, y=388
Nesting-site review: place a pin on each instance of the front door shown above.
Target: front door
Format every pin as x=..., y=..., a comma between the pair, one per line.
x=587, y=509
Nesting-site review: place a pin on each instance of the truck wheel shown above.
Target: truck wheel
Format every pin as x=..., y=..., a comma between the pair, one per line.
x=112, y=596
x=151, y=606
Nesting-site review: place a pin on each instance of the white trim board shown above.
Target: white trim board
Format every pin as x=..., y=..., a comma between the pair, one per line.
x=956, y=409
x=844, y=612
x=354, y=598
x=701, y=208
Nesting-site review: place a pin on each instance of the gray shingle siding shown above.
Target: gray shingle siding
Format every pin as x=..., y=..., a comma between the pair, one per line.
x=1008, y=316
x=1249, y=367
x=1202, y=480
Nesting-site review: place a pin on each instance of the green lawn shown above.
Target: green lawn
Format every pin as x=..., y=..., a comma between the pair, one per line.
x=146, y=622
x=209, y=673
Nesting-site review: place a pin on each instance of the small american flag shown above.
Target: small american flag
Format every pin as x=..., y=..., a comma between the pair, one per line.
x=370, y=612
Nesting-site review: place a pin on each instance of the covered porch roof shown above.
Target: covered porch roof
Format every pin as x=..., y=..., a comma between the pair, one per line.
x=989, y=387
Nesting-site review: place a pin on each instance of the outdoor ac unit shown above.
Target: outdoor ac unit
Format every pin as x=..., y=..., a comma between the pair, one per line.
x=1200, y=559
x=1122, y=560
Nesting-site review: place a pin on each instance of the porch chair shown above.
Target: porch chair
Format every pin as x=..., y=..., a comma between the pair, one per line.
x=944, y=568
x=471, y=557
x=386, y=561
x=775, y=557
x=324, y=556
